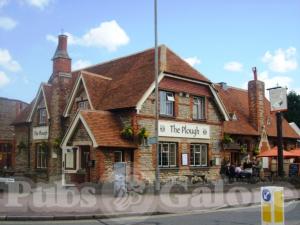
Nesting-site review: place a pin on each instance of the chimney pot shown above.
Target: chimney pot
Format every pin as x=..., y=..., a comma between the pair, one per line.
x=254, y=72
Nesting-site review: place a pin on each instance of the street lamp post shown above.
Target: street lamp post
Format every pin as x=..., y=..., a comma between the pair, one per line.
x=157, y=172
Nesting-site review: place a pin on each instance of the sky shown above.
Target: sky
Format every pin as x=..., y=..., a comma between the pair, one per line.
x=221, y=39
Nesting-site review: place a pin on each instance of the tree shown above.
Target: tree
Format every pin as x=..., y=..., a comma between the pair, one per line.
x=293, y=113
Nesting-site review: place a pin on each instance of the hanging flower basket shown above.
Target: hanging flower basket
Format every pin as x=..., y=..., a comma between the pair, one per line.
x=21, y=146
x=227, y=139
x=143, y=133
x=127, y=132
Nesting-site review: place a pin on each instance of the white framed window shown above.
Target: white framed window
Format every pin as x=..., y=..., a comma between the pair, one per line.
x=41, y=156
x=167, y=103
x=118, y=156
x=83, y=104
x=167, y=154
x=42, y=116
x=199, y=155
x=199, y=108
x=70, y=159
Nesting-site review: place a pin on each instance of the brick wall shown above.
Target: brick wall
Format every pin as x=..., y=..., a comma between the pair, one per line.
x=8, y=111
x=145, y=156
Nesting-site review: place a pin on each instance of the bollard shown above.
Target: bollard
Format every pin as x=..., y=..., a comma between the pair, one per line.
x=272, y=205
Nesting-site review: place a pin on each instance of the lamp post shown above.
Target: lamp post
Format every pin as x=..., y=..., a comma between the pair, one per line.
x=157, y=172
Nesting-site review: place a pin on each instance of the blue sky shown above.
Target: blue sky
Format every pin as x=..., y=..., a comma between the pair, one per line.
x=222, y=39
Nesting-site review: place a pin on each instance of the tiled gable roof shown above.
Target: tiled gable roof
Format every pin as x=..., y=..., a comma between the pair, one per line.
x=106, y=128
x=236, y=101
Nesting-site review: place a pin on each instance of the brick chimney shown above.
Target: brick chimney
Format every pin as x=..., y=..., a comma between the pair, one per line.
x=256, y=96
x=61, y=59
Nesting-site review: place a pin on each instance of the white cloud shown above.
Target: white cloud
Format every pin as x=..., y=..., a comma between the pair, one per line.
x=7, y=23
x=7, y=62
x=283, y=81
x=79, y=64
x=107, y=35
x=282, y=60
x=4, y=80
x=193, y=60
x=233, y=66
x=3, y=3
x=41, y=4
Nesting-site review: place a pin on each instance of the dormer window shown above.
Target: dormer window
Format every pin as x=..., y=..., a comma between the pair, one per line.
x=42, y=116
x=167, y=103
x=83, y=104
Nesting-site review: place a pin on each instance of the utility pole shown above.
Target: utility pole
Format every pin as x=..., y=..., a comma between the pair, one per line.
x=157, y=172
x=279, y=144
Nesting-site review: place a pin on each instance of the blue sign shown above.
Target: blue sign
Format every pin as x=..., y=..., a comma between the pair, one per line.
x=266, y=195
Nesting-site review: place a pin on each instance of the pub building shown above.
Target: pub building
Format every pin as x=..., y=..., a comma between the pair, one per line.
x=83, y=122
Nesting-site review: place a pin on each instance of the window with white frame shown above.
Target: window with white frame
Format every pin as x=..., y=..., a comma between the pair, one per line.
x=41, y=156
x=42, y=116
x=167, y=154
x=118, y=156
x=70, y=159
x=199, y=108
x=199, y=155
x=167, y=103
x=83, y=104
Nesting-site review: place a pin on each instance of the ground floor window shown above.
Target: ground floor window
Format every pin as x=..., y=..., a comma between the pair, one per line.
x=199, y=154
x=118, y=155
x=5, y=155
x=167, y=154
x=70, y=159
x=41, y=156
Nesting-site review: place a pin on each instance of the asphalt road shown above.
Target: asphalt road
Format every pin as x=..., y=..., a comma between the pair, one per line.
x=237, y=216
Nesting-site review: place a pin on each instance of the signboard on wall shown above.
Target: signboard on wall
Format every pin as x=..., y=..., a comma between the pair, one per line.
x=185, y=130
x=40, y=133
x=278, y=99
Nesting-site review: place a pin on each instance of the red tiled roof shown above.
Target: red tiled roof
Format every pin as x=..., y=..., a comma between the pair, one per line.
x=236, y=101
x=106, y=129
x=131, y=76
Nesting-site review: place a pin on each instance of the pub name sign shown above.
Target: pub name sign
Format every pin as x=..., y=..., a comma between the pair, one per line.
x=40, y=133
x=185, y=130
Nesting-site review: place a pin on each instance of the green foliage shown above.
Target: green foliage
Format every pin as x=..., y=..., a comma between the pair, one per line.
x=244, y=149
x=227, y=139
x=56, y=143
x=143, y=133
x=21, y=145
x=127, y=132
x=293, y=115
x=256, y=150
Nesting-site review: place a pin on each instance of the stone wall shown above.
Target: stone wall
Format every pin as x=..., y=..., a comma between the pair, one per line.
x=145, y=156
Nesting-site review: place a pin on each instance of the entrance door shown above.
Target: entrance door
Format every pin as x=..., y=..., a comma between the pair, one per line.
x=85, y=159
x=70, y=165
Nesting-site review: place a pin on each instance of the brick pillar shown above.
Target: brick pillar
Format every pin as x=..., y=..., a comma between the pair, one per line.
x=256, y=96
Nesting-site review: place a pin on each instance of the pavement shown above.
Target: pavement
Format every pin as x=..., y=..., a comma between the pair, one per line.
x=230, y=216
x=52, y=202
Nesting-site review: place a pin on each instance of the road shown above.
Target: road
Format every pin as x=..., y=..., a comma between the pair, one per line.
x=234, y=216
